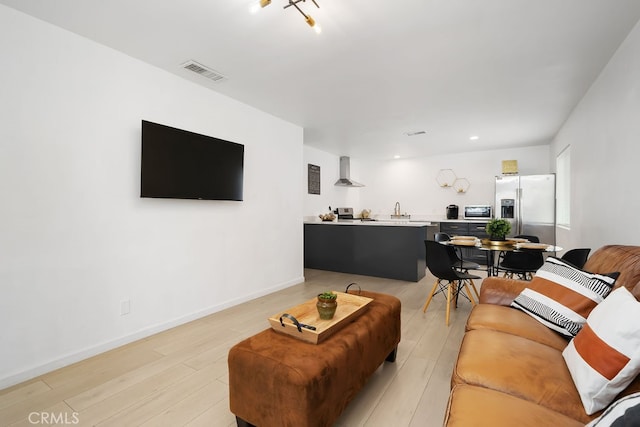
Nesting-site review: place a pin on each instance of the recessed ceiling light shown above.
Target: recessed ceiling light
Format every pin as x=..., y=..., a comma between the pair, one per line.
x=474, y=137
x=397, y=156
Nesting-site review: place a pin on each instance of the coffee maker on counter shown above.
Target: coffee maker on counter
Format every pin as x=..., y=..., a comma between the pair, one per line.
x=452, y=212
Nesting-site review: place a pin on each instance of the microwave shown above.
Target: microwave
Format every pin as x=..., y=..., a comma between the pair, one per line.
x=477, y=212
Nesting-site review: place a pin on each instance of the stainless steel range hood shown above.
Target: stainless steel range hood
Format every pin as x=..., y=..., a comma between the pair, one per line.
x=345, y=174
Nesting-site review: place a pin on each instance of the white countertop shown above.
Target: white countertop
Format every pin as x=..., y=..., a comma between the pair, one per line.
x=385, y=222
x=415, y=220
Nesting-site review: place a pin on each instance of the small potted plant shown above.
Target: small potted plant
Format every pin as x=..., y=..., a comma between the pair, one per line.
x=327, y=304
x=498, y=228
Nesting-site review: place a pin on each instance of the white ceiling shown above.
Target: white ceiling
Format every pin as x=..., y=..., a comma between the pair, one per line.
x=509, y=71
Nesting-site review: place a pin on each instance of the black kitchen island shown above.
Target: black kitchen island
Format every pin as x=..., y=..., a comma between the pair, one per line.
x=390, y=250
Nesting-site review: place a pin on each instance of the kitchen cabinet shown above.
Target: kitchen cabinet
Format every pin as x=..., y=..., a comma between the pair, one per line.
x=389, y=251
x=467, y=228
x=455, y=228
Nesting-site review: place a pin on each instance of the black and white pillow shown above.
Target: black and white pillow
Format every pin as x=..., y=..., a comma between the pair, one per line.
x=561, y=296
x=623, y=412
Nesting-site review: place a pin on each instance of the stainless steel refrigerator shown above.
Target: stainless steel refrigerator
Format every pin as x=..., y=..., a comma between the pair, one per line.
x=529, y=203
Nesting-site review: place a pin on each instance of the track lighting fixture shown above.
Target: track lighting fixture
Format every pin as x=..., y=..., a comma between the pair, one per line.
x=308, y=19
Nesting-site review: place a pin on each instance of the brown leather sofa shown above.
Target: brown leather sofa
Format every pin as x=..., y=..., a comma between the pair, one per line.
x=510, y=370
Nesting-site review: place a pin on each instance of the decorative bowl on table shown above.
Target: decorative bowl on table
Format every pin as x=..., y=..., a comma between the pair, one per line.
x=507, y=243
x=464, y=241
x=327, y=217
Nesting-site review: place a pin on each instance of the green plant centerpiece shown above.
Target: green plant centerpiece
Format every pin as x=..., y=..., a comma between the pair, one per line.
x=327, y=304
x=498, y=228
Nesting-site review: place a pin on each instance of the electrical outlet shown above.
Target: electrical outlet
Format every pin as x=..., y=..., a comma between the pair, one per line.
x=125, y=307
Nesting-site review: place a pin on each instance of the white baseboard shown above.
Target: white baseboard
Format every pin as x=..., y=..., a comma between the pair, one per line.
x=71, y=358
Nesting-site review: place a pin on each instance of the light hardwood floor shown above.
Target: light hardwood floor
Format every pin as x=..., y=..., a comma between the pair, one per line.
x=179, y=377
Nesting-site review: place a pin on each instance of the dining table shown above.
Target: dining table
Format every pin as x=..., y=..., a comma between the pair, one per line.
x=493, y=248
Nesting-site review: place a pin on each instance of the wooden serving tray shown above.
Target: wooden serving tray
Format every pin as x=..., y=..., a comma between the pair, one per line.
x=349, y=307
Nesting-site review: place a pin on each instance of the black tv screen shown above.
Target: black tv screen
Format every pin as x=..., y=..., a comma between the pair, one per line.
x=178, y=164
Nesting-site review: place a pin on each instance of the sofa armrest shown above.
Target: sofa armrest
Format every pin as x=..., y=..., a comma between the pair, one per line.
x=500, y=290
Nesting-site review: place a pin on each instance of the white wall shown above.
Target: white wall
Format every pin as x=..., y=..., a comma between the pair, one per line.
x=603, y=131
x=76, y=238
x=330, y=194
x=412, y=182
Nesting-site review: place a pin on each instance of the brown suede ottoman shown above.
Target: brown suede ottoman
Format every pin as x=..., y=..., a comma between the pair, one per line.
x=277, y=380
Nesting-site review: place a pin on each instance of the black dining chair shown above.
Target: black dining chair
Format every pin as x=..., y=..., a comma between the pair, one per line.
x=576, y=257
x=441, y=237
x=521, y=264
x=448, y=278
x=458, y=262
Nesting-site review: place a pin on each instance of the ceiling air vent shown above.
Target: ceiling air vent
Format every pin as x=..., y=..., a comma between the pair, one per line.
x=203, y=70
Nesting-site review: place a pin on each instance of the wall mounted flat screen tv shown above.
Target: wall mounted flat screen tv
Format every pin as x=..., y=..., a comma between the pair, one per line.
x=178, y=164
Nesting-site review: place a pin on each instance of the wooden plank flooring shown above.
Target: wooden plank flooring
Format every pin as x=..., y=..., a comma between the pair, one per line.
x=179, y=377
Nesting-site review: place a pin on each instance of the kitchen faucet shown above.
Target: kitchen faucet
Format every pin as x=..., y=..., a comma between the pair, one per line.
x=396, y=211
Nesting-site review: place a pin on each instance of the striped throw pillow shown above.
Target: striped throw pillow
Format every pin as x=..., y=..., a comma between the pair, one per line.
x=624, y=412
x=605, y=356
x=561, y=296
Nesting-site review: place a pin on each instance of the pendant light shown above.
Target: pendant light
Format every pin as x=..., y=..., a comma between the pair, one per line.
x=308, y=19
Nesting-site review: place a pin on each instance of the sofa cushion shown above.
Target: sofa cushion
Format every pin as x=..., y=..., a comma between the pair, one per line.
x=604, y=358
x=622, y=258
x=561, y=296
x=500, y=290
x=623, y=412
x=520, y=367
x=514, y=322
x=467, y=404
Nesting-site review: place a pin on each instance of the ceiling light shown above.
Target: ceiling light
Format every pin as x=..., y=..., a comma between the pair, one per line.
x=474, y=138
x=257, y=5
x=308, y=19
x=397, y=156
